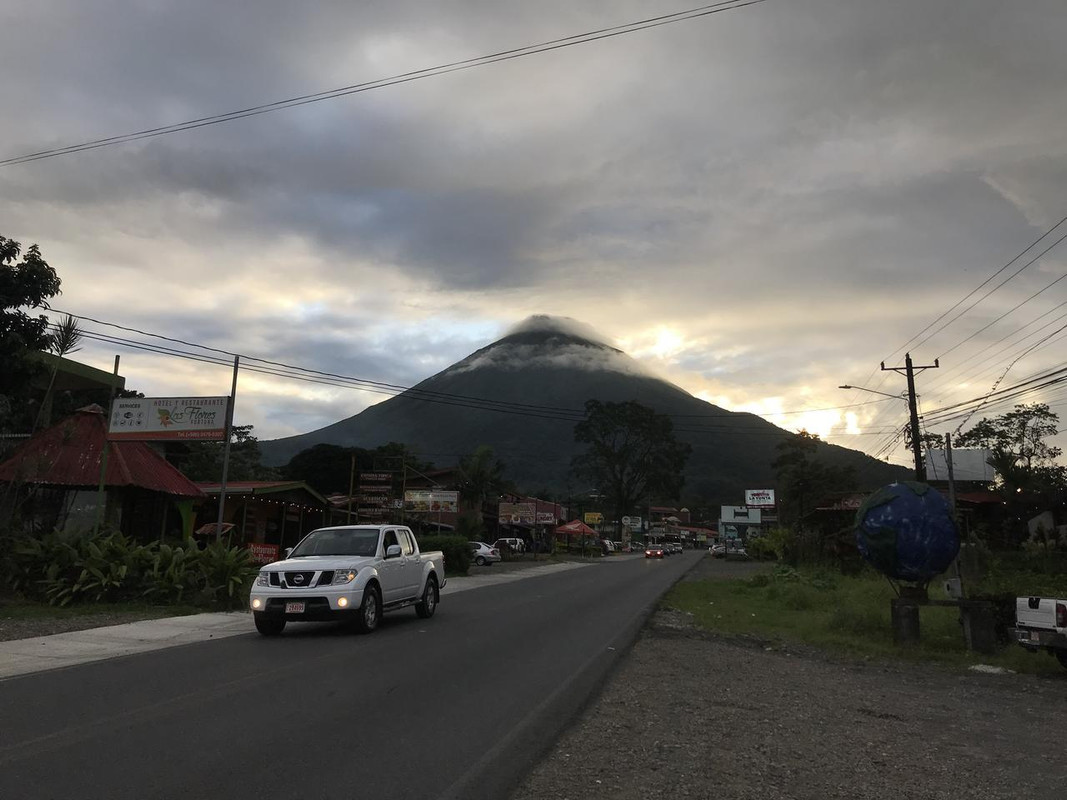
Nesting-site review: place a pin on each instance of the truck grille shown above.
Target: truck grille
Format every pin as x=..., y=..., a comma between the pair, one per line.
x=274, y=579
x=326, y=578
x=299, y=580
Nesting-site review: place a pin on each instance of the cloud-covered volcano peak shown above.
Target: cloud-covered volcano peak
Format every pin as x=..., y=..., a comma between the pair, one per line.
x=548, y=326
x=544, y=341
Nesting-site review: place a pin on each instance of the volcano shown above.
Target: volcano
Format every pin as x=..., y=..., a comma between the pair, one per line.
x=523, y=394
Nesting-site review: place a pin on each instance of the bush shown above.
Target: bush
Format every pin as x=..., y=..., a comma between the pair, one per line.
x=456, y=549
x=226, y=574
x=108, y=566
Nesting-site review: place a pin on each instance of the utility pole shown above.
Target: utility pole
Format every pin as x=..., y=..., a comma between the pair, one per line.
x=909, y=370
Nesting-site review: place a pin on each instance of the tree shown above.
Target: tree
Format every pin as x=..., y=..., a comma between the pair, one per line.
x=203, y=462
x=631, y=454
x=65, y=340
x=26, y=283
x=482, y=477
x=326, y=467
x=803, y=479
x=1019, y=435
x=1021, y=457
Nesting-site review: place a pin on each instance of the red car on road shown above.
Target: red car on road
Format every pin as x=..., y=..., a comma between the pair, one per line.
x=654, y=551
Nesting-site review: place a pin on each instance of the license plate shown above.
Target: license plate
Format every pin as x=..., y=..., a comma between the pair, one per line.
x=1035, y=636
x=294, y=608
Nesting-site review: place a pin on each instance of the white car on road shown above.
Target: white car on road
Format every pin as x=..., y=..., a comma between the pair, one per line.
x=351, y=572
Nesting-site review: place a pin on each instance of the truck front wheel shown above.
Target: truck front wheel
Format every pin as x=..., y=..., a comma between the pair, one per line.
x=428, y=604
x=269, y=626
x=370, y=610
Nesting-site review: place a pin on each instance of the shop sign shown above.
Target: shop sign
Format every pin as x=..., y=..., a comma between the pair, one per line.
x=168, y=418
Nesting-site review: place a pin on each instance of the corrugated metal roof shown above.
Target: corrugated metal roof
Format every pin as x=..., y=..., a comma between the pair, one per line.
x=69, y=454
x=260, y=488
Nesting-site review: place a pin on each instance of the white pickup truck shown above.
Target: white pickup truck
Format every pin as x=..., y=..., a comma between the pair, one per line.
x=1041, y=624
x=351, y=572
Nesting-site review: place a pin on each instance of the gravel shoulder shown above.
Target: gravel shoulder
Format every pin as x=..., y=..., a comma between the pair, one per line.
x=738, y=719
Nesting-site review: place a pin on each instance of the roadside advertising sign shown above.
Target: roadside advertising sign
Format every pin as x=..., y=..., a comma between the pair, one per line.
x=263, y=553
x=546, y=518
x=517, y=513
x=593, y=518
x=759, y=498
x=635, y=523
x=431, y=500
x=749, y=516
x=168, y=418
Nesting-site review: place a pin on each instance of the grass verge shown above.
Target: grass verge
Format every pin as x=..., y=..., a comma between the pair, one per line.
x=29, y=610
x=841, y=614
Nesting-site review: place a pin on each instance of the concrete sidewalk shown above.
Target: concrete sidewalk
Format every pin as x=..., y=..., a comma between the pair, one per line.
x=26, y=656
x=23, y=656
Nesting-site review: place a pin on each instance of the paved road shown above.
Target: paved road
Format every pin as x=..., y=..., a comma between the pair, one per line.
x=457, y=706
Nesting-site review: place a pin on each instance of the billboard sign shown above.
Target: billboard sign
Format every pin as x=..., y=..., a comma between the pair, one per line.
x=759, y=498
x=431, y=501
x=169, y=418
x=593, y=518
x=743, y=514
x=517, y=513
x=546, y=518
x=967, y=465
x=632, y=523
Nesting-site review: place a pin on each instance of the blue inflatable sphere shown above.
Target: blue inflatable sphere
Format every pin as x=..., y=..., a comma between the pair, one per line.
x=906, y=531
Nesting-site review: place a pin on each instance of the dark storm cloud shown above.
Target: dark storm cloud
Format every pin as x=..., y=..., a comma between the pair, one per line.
x=822, y=175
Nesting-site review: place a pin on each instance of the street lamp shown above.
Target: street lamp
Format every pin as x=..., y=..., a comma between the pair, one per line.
x=872, y=391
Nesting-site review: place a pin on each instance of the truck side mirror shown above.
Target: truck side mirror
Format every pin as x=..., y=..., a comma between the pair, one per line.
x=392, y=551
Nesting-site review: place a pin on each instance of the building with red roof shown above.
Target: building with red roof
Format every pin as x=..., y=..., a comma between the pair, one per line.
x=52, y=480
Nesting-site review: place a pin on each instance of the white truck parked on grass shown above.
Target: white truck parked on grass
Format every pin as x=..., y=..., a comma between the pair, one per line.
x=1041, y=624
x=349, y=572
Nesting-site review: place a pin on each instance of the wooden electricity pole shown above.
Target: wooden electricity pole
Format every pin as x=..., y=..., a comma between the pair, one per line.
x=910, y=370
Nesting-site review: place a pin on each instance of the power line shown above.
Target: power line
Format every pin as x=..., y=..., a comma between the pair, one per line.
x=281, y=369
x=442, y=69
x=963, y=299
x=991, y=291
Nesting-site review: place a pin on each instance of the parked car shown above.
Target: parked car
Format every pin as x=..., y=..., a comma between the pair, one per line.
x=512, y=544
x=349, y=572
x=718, y=551
x=484, y=555
x=607, y=545
x=654, y=551
x=637, y=547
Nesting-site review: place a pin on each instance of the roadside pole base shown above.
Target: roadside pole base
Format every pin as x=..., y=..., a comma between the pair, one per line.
x=905, y=620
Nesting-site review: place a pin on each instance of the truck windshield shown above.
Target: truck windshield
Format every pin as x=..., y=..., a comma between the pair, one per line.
x=338, y=542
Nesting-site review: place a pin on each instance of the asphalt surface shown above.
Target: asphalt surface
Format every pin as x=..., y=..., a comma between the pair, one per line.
x=458, y=706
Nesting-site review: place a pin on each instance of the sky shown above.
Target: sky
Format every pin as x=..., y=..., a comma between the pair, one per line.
x=760, y=204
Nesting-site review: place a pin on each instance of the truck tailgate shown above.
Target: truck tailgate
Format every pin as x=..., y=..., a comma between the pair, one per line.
x=1038, y=612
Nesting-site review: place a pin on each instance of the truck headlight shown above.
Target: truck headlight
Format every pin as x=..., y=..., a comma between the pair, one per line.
x=263, y=579
x=344, y=576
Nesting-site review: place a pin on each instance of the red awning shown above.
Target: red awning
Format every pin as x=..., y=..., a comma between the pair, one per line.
x=69, y=454
x=575, y=528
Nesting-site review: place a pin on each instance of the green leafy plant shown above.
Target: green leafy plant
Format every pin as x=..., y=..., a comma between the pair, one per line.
x=226, y=574
x=455, y=548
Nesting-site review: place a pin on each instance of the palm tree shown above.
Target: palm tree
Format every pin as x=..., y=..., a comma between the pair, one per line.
x=482, y=479
x=65, y=340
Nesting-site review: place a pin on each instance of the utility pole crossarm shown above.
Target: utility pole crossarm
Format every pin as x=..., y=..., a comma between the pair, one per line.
x=909, y=370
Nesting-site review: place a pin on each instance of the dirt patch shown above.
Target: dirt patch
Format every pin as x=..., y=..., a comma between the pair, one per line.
x=689, y=714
